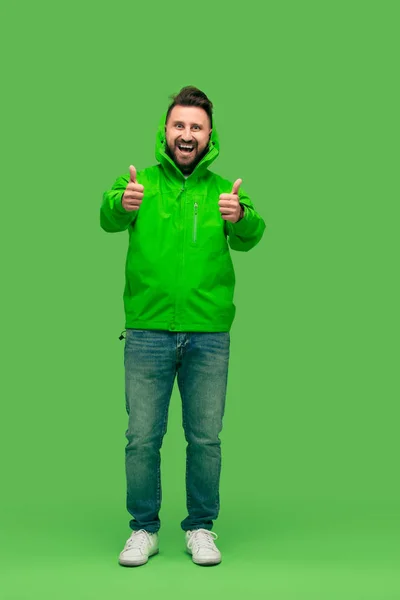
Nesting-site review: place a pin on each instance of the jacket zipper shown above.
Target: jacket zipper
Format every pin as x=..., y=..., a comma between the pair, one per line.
x=195, y=210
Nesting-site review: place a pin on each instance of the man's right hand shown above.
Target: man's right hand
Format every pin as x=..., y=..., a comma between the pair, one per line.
x=133, y=195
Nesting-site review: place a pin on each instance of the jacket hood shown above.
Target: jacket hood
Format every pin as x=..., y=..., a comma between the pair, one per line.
x=168, y=163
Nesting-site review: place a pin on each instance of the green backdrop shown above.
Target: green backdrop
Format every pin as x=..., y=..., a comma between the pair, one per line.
x=306, y=105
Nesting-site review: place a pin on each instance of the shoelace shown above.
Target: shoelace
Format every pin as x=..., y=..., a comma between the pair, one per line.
x=138, y=539
x=202, y=537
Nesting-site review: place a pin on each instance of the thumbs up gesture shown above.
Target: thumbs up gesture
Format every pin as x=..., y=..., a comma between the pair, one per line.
x=229, y=205
x=133, y=195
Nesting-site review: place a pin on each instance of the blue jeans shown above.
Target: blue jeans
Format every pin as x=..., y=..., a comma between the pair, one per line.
x=152, y=360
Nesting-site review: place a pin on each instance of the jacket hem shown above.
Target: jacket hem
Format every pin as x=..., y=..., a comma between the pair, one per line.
x=179, y=326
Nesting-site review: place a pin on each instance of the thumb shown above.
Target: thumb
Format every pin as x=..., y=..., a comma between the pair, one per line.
x=132, y=171
x=236, y=186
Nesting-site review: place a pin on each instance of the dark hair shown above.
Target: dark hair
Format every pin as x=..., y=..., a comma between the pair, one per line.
x=191, y=96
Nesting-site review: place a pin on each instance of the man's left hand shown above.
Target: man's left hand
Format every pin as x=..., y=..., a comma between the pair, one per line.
x=229, y=206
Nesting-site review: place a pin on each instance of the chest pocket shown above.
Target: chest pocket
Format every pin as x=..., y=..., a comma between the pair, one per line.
x=206, y=226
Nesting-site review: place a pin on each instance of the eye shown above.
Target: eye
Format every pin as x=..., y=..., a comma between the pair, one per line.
x=196, y=127
x=178, y=125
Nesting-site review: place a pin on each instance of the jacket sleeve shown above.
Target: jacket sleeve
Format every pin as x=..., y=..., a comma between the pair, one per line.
x=113, y=216
x=247, y=232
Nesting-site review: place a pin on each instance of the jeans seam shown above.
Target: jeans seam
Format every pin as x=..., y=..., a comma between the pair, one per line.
x=163, y=432
x=189, y=504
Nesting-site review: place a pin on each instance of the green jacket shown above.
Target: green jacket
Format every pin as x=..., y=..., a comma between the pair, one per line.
x=179, y=272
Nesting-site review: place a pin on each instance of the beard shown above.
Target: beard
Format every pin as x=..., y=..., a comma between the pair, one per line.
x=188, y=168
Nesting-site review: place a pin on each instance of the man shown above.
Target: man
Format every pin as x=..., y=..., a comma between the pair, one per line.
x=181, y=219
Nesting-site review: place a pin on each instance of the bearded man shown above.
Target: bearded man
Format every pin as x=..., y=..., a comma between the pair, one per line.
x=182, y=221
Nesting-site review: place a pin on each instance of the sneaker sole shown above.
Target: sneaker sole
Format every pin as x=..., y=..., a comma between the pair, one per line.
x=204, y=562
x=129, y=563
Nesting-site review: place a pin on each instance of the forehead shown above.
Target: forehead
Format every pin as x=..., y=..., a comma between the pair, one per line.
x=189, y=114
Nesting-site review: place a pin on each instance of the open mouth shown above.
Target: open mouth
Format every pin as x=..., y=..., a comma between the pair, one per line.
x=185, y=148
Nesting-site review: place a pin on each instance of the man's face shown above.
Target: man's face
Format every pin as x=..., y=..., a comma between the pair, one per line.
x=187, y=133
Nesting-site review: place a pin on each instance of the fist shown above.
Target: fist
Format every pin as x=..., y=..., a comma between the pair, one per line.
x=133, y=195
x=229, y=205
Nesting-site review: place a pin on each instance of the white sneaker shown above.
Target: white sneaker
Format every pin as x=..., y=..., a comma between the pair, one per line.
x=200, y=544
x=139, y=546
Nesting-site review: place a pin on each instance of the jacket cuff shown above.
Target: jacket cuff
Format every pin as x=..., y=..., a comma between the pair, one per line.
x=241, y=226
x=118, y=205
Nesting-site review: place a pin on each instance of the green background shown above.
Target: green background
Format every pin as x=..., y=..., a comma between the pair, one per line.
x=306, y=106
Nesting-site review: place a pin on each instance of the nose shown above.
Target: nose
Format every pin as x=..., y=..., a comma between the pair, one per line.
x=186, y=135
